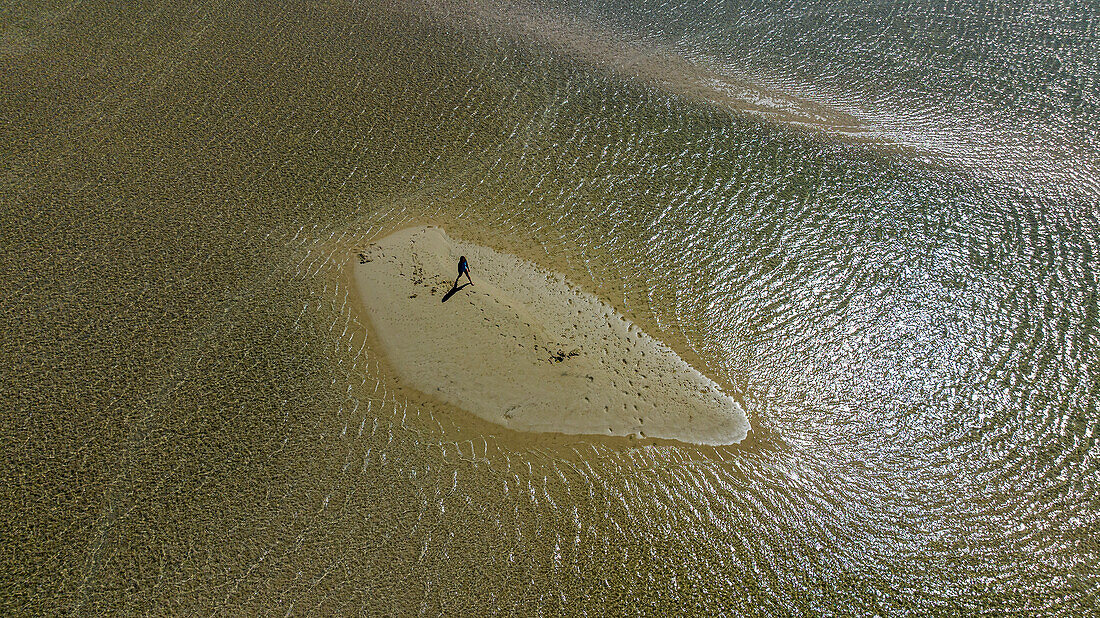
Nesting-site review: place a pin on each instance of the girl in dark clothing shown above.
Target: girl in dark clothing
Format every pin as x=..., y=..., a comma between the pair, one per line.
x=463, y=269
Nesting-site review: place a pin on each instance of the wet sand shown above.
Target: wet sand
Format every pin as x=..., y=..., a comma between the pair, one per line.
x=523, y=348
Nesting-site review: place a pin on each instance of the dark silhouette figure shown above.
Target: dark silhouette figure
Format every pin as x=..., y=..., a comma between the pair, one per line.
x=463, y=269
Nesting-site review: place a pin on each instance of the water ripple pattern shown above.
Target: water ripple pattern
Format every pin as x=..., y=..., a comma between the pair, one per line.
x=196, y=420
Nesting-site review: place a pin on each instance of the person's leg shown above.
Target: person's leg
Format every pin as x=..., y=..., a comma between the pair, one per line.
x=456, y=280
x=467, y=278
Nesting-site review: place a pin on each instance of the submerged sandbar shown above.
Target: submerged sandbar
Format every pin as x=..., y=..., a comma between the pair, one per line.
x=525, y=349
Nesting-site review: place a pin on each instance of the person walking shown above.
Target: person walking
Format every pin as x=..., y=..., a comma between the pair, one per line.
x=463, y=269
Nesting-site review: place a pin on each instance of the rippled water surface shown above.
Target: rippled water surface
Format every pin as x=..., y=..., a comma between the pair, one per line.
x=875, y=225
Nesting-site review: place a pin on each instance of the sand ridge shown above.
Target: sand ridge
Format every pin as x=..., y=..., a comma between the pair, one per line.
x=523, y=348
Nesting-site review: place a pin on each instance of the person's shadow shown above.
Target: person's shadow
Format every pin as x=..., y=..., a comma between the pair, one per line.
x=452, y=292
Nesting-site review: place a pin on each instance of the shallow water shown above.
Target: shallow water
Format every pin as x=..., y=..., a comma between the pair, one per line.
x=197, y=421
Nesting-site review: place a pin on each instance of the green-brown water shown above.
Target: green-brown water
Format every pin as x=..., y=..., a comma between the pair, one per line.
x=191, y=423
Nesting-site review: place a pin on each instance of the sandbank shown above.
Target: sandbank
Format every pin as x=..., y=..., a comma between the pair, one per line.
x=523, y=348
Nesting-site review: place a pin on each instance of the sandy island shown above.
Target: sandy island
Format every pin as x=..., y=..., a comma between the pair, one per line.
x=523, y=348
